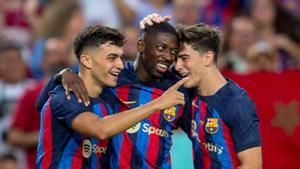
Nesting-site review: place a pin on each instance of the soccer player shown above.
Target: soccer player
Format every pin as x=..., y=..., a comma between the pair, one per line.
x=73, y=135
x=146, y=144
x=220, y=119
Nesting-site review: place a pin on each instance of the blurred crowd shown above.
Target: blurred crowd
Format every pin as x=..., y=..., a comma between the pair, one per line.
x=36, y=42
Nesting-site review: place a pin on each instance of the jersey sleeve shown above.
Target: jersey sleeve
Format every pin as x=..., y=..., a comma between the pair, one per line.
x=66, y=110
x=241, y=117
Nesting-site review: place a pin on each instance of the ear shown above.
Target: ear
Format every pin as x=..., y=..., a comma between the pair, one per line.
x=140, y=45
x=86, y=61
x=209, y=58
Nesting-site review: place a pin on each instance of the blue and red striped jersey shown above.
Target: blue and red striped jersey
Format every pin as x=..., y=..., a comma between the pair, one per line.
x=146, y=144
x=220, y=126
x=59, y=145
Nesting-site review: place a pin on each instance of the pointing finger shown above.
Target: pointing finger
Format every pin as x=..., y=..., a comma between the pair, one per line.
x=178, y=84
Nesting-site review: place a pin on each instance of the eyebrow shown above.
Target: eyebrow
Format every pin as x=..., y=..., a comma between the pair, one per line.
x=112, y=54
x=182, y=55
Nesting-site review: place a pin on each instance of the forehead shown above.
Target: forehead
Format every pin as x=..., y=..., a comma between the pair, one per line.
x=163, y=37
x=108, y=48
x=186, y=49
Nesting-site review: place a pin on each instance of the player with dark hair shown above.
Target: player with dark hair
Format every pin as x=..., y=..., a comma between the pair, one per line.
x=146, y=144
x=220, y=119
x=73, y=135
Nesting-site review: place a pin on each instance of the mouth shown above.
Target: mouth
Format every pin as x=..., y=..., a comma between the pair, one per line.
x=163, y=67
x=184, y=74
x=114, y=74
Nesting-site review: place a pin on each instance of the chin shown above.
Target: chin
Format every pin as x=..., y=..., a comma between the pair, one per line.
x=111, y=84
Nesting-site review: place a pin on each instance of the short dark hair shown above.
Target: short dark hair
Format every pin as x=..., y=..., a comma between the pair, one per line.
x=165, y=27
x=201, y=37
x=94, y=36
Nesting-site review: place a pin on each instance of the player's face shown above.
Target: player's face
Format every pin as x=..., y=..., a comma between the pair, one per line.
x=107, y=64
x=159, y=54
x=190, y=64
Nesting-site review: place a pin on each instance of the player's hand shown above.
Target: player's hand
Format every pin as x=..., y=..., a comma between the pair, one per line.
x=153, y=18
x=72, y=82
x=172, y=96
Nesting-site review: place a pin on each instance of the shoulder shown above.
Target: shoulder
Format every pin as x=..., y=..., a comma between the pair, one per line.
x=233, y=93
x=59, y=99
x=127, y=75
x=236, y=101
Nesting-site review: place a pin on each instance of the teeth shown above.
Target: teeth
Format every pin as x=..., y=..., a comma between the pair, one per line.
x=115, y=74
x=162, y=65
x=184, y=74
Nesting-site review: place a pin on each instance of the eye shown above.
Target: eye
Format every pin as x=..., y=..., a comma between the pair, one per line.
x=174, y=51
x=160, y=48
x=184, y=58
x=112, y=57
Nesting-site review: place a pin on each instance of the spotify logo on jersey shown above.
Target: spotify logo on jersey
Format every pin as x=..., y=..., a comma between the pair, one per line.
x=134, y=128
x=86, y=148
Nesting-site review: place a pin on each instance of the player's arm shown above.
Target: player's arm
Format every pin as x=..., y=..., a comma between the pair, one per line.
x=241, y=116
x=250, y=158
x=103, y=128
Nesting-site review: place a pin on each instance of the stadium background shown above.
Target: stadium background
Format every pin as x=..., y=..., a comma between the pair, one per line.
x=261, y=52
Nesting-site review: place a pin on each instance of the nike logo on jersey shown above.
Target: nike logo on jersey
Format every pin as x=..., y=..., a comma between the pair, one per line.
x=129, y=102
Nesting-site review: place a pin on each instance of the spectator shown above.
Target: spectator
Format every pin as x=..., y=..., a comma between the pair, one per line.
x=241, y=34
x=279, y=28
x=8, y=161
x=186, y=11
x=61, y=18
x=24, y=131
x=12, y=85
x=261, y=57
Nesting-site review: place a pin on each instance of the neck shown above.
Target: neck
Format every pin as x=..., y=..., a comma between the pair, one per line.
x=142, y=73
x=93, y=88
x=211, y=82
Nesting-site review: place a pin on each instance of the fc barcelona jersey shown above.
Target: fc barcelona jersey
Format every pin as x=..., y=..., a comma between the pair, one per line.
x=146, y=144
x=62, y=147
x=220, y=126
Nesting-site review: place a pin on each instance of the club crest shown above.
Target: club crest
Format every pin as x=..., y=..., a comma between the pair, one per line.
x=211, y=125
x=170, y=113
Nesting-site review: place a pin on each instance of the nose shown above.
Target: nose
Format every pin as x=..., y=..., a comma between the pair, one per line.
x=119, y=64
x=178, y=65
x=168, y=55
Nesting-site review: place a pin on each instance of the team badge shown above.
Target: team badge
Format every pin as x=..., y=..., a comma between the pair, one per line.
x=134, y=128
x=86, y=148
x=170, y=113
x=211, y=125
